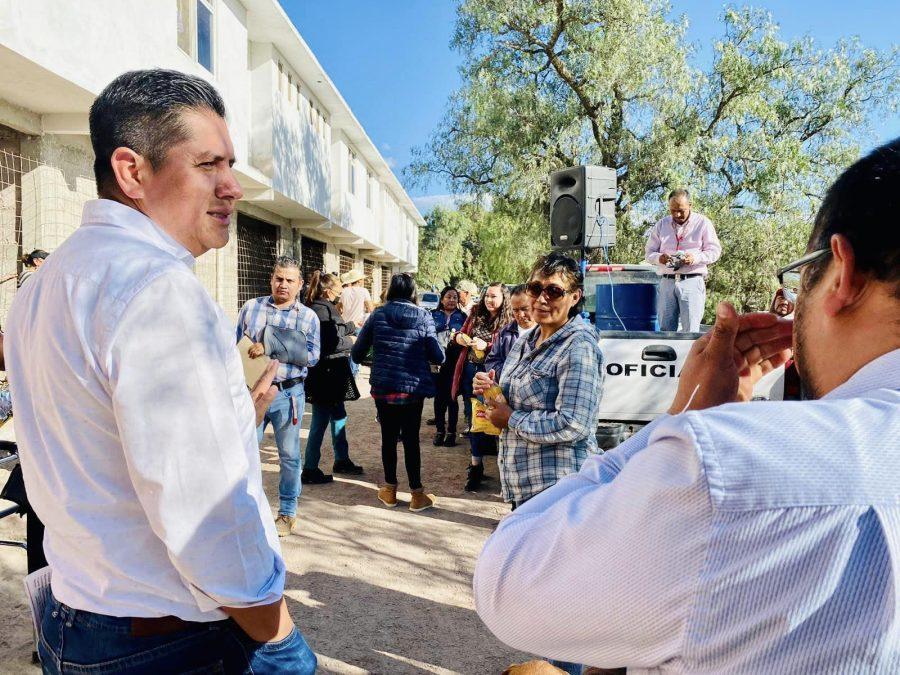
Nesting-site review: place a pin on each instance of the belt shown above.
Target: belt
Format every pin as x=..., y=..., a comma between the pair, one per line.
x=683, y=276
x=158, y=625
x=287, y=384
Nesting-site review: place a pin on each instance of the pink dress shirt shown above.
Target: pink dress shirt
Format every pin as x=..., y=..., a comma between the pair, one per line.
x=697, y=236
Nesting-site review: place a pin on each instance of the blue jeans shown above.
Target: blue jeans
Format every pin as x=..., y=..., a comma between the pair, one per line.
x=683, y=299
x=480, y=443
x=75, y=641
x=287, y=438
x=321, y=416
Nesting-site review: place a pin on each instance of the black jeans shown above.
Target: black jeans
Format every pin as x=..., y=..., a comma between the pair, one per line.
x=445, y=404
x=395, y=420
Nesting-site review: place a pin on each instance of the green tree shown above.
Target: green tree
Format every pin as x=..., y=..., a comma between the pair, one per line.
x=484, y=245
x=756, y=136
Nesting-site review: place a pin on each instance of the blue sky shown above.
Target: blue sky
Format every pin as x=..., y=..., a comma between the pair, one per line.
x=392, y=61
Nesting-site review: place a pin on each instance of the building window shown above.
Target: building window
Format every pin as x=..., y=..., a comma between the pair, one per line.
x=385, y=280
x=369, y=271
x=351, y=171
x=257, y=243
x=312, y=256
x=195, y=30
x=368, y=190
x=345, y=262
x=185, y=39
x=205, y=34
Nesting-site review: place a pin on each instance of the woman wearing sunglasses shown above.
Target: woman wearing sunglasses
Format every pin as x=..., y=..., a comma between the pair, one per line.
x=551, y=385
x=477, y=336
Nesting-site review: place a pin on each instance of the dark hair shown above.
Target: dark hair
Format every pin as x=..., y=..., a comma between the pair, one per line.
x=504, y=314
x=860, y=205
x=142, y=110
x=447, y=289
x=679, y=192
x=521, y=289
x=568, y=268
x=319, y=282
x=285, y=262
x=403, y=287
x=29, y=258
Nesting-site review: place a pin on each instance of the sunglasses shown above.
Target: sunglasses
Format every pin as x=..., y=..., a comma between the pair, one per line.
x=553, y=292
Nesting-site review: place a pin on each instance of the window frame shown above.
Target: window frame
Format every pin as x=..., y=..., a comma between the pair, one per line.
x=193, y=30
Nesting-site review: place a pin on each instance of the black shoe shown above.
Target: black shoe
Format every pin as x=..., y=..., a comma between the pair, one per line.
x=450, y=441
x=347, y=467
x=439, y=439
x=475, y=473
x=314, y=477
x=431, y=422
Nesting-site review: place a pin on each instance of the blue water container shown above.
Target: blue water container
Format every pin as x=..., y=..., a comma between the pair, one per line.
x=635, y=305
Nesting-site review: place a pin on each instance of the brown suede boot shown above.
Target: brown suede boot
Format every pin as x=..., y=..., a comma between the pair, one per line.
x=387, y=495
x=420, y=501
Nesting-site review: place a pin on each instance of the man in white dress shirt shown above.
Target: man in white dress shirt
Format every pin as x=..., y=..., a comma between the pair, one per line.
x=740, y=537
x=136, y=429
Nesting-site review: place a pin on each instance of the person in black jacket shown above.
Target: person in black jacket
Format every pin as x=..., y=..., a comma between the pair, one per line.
x=403, y=340
x=327, y=382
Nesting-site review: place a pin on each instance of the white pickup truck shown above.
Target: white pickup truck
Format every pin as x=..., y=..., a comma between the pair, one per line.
x=641, y=368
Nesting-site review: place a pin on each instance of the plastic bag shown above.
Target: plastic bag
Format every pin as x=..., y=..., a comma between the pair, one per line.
x=481, y=423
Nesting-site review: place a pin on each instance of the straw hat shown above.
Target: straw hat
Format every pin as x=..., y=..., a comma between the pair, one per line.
x=467, y=286
x=352, y=277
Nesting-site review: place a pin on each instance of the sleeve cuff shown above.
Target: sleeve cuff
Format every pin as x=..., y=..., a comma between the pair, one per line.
x=516, y=419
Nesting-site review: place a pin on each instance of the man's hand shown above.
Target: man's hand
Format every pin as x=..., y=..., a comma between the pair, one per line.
x=264, y=392
x=726, y=363
x=689, y=259
x=256, y=351
x=499, y=412
x=664, y=258
x=482, y=382
x=352, y=338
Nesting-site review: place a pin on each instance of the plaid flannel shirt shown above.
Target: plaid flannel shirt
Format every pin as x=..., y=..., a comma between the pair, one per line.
x=554, y=391
x=259, y=312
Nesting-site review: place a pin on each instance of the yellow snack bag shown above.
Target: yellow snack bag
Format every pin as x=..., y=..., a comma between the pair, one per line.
x=480, y=421
x=494, y=393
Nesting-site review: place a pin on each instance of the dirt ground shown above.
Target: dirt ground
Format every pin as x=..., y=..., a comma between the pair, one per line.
x=374, y=590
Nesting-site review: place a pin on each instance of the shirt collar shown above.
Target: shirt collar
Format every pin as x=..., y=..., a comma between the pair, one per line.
x=882, y=373
x=573, y=324
x=271, y=301
x=107, y=212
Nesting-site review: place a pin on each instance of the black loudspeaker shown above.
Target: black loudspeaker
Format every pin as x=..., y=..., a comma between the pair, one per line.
x=582, y=207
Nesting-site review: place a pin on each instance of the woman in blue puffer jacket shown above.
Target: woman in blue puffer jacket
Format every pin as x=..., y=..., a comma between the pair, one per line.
x=403, y=340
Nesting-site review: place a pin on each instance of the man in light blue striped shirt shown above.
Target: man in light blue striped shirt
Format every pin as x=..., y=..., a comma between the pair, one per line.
x=283, y=309
x=740, y=537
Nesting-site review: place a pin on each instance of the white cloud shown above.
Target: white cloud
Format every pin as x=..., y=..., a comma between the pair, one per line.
x=386, y=147
x=391, y=162
x=426, y=203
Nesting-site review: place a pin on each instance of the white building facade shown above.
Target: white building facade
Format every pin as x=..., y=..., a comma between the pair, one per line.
x=315, y=186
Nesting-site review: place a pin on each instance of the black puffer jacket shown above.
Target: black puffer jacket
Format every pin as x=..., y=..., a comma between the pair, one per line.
x=334, y=330
x=403, y=339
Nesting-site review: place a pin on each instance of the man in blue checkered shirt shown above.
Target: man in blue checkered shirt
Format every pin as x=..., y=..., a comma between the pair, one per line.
x=283, y=309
